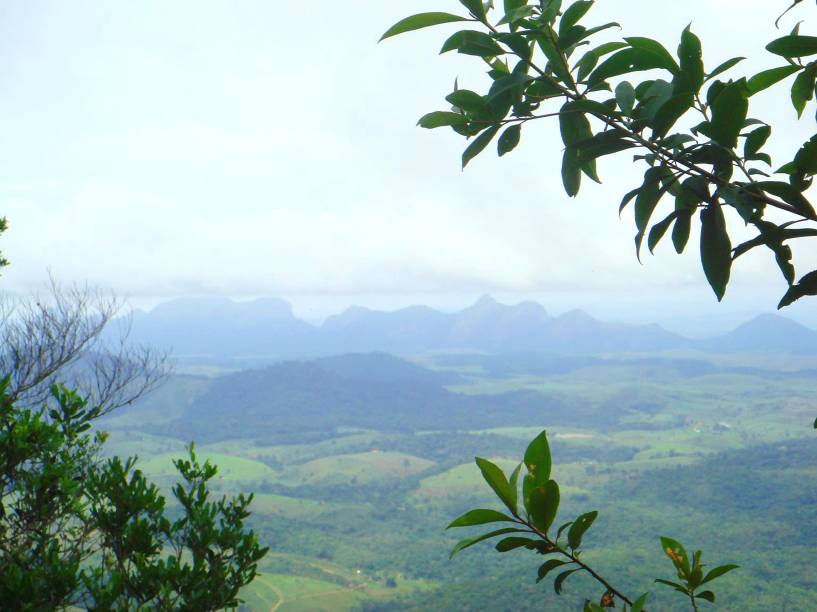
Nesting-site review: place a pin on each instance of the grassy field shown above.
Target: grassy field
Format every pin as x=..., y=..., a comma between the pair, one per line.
x=375, y=465
x=230, y=467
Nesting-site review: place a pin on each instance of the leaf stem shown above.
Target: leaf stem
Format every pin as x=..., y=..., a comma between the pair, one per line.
x=575, y=559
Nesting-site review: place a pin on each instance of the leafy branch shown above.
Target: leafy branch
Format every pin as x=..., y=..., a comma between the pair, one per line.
x=533, y=530
x=531, y=53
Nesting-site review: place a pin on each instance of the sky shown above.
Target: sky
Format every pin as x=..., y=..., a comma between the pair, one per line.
x=269, y=148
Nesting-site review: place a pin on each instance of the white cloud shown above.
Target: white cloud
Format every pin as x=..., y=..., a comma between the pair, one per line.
x=269, y=148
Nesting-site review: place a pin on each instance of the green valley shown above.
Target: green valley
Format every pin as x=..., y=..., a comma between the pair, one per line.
x=354, y=490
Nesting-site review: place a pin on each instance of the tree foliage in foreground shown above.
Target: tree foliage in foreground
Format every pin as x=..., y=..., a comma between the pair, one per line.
x=688, y=123
x=704, y=160
x=76, y=530
x=531, y=526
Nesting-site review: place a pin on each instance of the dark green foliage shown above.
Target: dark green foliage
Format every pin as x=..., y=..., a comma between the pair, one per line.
x=305, y=402
x=551, y=79
x=75, y=531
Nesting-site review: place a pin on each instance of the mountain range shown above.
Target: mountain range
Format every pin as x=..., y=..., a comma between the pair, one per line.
x=267, y=329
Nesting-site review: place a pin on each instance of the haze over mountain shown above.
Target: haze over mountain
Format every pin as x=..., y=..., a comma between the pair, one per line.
x=220, y=328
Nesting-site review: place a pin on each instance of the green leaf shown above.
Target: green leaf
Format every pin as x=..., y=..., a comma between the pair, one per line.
x=588, y=167
x=538, y=459
x=747, y=205
x=713, y=154
x=720, y=69
x=680, y=231
x=659, y=229
x=755, y=140
x=573, y=125
x=514, y=485
x=561, y=529
x=783, y=256
x=691, y=55
x=678, y=587
x=767, y=78
x=516, y=14
x=623, y=62
x=716, y=249
x=512, y=543
x=506, y=83
x=479, y=144
x=670, y=111
x=628, y=197
x=571, y=171
x=806, y=159
x=542, y=89
x=550, y=8
x=441, y=119
x=497, y=481
x=573, y=14
x=479, y=517
x=625, y=97
x=681, y=560
x=646, y=201
x=788, y=194
x=729, y=113
x=419, y=21
x=467, y=100
x=590, y=59
x=544, y=504
x=471, y=42
x=655, y=48
x=806, y=286
x=638, y=604
x=468, y=542
x=793, y=46
x=774, y=240
x=528, y=485
x=653, y=98
x=518, y=44
x=579, y=527
x=475, y=7
x=560, y=580
x=554, y=56
x=803, y=88
x=513, y=5
x=509, y=139
x=601, y=144
x=547, y=567
x=719, y=571
x=707, y=595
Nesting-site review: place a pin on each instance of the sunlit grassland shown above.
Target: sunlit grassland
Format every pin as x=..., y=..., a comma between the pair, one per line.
x=360, y=467
x=230, y=468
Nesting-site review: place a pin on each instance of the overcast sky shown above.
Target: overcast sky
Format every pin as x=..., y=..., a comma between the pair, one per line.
x=269, y=148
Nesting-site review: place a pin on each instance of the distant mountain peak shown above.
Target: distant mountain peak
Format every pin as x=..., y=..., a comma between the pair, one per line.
x=577, y=315
x=770, y=319
x=485, y=301
x=768, y=332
